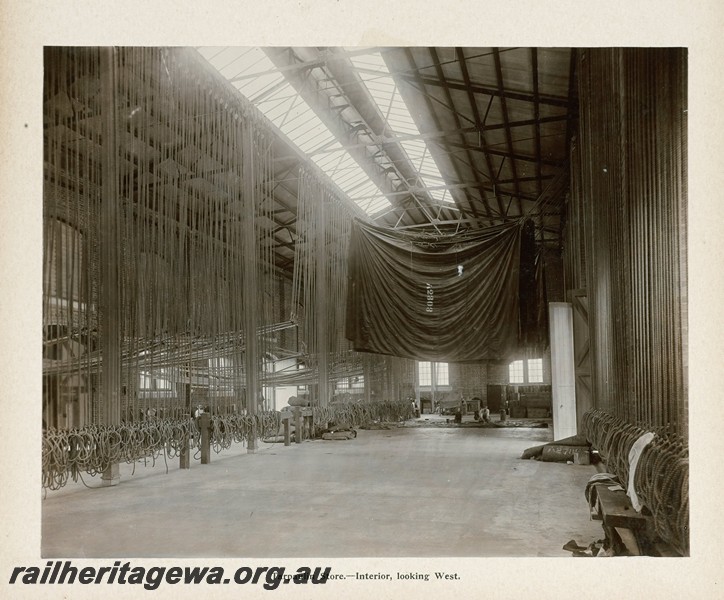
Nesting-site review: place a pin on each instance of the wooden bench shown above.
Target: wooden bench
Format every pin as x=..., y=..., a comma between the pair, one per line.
x=615, y=510
x=629, y=531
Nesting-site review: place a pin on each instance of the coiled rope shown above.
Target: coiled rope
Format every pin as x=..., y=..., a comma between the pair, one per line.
x=362, y=413
x=662, y=475
x=67, y=453
x=235, y=429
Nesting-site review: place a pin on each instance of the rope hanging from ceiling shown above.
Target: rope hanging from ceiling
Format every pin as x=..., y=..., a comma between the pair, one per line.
x=193, y=240
x=192, y=171
x=630, y=202
x=319, y=286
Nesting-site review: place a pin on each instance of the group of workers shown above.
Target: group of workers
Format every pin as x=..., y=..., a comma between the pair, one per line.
x=482, y=414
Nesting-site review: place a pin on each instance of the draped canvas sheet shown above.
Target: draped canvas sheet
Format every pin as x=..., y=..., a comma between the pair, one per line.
x=434, y=299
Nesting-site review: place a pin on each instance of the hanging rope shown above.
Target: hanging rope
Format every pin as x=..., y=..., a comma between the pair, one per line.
x=186, y=308
x=193, y=173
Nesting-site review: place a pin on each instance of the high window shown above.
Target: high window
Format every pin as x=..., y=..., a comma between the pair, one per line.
x=221, y=375
x=516, y=372
x=153, y=381
x=526, y=371
x=535, y=370
x=425, y=371
x=351, y=383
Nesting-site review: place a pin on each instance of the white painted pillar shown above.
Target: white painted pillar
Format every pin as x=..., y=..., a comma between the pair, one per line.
x=563, y=377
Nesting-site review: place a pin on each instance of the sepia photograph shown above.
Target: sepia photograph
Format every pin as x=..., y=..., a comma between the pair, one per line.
x=339, y=302
x=340, y=299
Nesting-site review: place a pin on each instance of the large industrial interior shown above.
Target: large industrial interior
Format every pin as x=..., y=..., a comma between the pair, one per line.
x=365, y=302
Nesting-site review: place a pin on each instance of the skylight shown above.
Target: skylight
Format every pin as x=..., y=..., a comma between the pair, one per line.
x=381, y=85
x=253, y=73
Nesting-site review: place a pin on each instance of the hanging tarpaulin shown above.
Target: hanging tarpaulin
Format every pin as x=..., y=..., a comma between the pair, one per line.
x=533, y=327
x=447, y=298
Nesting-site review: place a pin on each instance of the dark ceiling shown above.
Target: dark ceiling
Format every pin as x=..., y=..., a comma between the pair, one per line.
x=498, y=122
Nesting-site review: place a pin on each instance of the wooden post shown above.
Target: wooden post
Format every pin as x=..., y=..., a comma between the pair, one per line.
x=287, y=437
x=310, y=425
x=111, y=290
x=298, y=431
x=204, y=425
x=183, y=457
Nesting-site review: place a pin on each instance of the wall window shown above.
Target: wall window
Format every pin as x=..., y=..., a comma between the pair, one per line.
x=150, y=381
x=535, y=370
x=526, y=371
x=221, y=374
x=425, y=374
x=441, y=374
x=219, y=363
x=516, y=372
x=351, y=383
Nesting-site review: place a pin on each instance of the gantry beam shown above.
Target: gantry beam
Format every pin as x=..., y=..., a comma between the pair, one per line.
x=469, y=155
x=361, y=100
x=477, y=88
x=536, y=110
x=480, y=123
x=304, y=83
x=508, y=135
x=437, y=135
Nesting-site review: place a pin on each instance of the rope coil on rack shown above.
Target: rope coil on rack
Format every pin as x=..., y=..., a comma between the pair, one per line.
x=662, y=475
x=356, y=415
x=70, y=453
x=67, y=453
x=229, y=429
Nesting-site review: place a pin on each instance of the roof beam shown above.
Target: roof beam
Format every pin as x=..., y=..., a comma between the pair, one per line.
x=461, y=221
x=307, y=87
x=479, y=124
x=431, y=135
x=458, y=186
x=571, y=98
x=508, y=136
x=507, y=154
x=536, y=110
x=361, y=100
x=307, y=64
x=488, y=91
x=471, y=161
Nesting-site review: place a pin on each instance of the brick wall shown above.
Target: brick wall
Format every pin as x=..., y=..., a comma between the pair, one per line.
x=469, y=379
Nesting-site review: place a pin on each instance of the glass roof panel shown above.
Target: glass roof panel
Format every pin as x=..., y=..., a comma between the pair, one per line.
x=373, y=71
x=256, y=77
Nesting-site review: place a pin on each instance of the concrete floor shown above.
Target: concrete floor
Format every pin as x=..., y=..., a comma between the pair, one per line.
x=404, y=492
